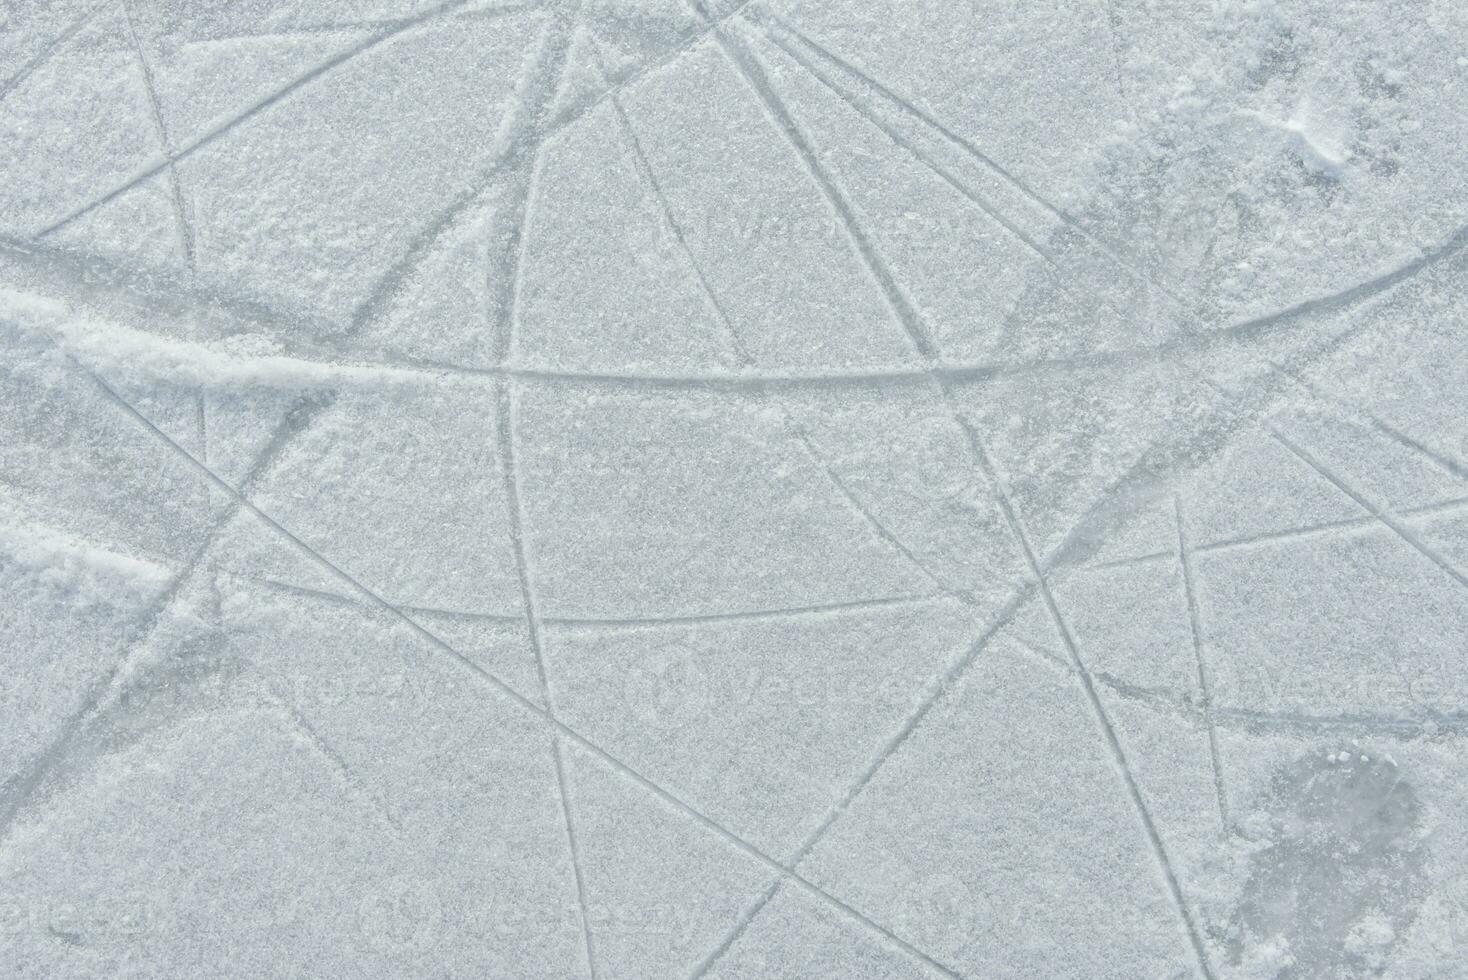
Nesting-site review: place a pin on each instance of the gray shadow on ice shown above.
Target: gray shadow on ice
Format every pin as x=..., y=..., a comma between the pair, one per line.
x=1340, y=875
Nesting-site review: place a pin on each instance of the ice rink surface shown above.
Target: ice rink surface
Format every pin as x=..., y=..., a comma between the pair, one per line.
x=638, y=489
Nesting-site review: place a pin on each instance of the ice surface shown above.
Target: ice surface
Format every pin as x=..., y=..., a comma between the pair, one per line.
x=734, y=488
